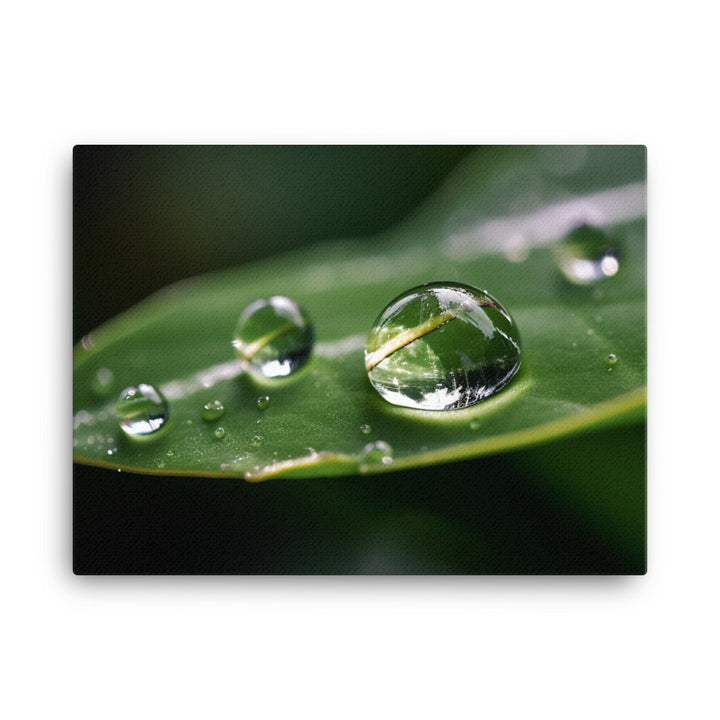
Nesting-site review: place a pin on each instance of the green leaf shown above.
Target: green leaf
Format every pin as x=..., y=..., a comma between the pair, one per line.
x=493, y=226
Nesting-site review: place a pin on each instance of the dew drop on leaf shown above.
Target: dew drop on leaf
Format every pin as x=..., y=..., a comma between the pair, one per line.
x=377, y=453
x=442, y=346
x=263, y=401
x=143, y=410
x=365, y=429
x=213, y=410
x=219, y=432
x=273, y=337
x=586, y=255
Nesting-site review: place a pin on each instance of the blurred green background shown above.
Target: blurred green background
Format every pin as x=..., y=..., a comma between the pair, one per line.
x=146, y=216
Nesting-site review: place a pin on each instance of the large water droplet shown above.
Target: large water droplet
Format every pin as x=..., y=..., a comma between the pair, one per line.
x=213, y=410
x=377, y=453
x=274, y=337
x=442, y=346
x=586, y=255
x=143, y=410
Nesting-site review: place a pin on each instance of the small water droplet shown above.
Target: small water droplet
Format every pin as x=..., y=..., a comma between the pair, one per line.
x=90, y=440
x=442, y=346
x=143, y=410
x=475, y=424
x=109, y=452
x=258, y=421
x=103, y=381
x=263, y=401
x=377, y=453
x=188, y=422
x=365, y=429
x=256, y=440
x=586, y=255
x=170, y=453
x=274, y=337
x=219, y=432
x=213, y=410
x=612, y=359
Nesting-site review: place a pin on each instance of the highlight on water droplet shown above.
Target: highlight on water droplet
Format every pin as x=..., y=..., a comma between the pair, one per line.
x=442, y=346
x=274, y=337
x=587, y=255
x=219, y=432
x=263, y=401
x=213, y=410
x=365, y=429
x=143, y=410
x=377, y=453
x=102, y=383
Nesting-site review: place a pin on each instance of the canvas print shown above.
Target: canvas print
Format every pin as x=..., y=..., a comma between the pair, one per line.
x=332, y=360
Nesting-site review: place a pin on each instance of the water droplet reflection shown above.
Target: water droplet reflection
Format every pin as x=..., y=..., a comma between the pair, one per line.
x=586, y=256
x=442, y=346
x=143, y=410
x=274, y=337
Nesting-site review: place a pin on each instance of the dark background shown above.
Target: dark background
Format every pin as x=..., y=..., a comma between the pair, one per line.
x=146, y=216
